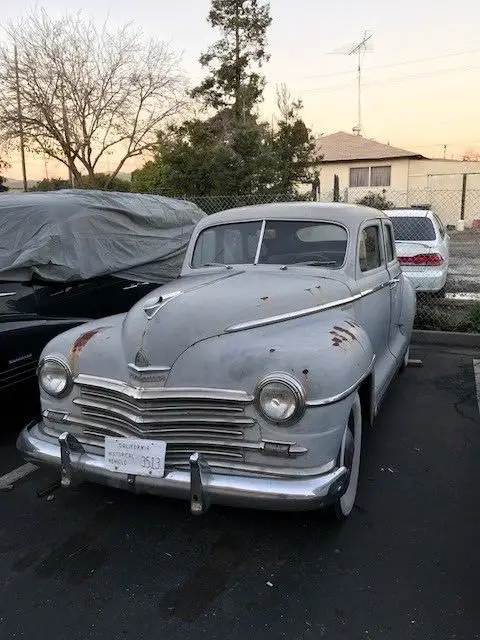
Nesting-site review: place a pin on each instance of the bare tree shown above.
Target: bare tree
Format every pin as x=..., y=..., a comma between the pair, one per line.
x=87, y=92
x=471, y=154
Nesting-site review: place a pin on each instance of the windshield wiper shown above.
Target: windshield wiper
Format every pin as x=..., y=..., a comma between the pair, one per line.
x=217, y=264
x=315, y=263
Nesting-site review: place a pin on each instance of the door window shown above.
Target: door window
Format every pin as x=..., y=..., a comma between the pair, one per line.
x=369, y=254
x=389, y=243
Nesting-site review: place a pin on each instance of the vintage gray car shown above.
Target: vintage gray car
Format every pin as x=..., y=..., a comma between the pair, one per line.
x=247, y=380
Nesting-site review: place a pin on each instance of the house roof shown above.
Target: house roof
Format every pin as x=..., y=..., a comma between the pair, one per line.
x=344, y=147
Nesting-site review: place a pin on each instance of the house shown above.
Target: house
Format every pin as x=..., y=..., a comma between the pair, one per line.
x=406, y=178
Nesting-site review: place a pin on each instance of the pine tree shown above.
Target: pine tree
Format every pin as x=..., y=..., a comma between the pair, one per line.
x=234, y=62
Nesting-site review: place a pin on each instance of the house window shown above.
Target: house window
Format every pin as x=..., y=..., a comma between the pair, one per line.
x=359, y=177
x=381, y=176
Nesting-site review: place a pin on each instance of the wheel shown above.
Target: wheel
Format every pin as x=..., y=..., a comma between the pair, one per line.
x=350, y=458
x=406, y=358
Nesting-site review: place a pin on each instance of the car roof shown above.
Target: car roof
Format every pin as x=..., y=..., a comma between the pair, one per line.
x=340, y=212
x=414, y=213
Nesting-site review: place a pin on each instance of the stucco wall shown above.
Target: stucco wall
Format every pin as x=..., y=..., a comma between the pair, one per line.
x=415, y=182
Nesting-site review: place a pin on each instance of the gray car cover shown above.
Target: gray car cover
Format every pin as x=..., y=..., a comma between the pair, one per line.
x=76, y=234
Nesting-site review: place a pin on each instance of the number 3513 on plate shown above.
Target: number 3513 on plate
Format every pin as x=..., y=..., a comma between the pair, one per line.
x=135, y=456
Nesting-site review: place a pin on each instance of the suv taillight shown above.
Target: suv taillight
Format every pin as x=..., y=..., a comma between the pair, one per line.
x=422, y=260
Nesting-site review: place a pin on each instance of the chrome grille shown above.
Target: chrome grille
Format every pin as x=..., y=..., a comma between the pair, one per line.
x=209, y=421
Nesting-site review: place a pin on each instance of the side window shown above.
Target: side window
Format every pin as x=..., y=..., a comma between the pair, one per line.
x=389, y=243
x=369, y=255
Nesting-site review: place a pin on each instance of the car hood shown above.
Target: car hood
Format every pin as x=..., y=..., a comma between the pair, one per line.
x=160, y=327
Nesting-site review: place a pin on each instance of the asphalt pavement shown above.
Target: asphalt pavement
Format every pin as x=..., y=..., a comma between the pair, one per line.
x=99, y=563
x=464, y=266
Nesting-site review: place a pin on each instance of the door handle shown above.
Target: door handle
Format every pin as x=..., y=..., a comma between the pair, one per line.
x=394, y=282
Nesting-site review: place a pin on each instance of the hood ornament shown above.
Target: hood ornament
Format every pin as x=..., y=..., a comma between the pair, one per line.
x=156, y=304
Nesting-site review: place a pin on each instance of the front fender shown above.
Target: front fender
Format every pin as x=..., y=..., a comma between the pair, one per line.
x=327, y=355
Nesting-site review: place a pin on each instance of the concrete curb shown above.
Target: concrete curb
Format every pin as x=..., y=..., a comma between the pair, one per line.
x=452, y=338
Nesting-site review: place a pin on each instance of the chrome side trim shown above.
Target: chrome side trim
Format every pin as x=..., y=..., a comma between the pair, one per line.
x=301, y=313
x=162, y=393
x=340, y=396
x=260, y=242
x=7, y=293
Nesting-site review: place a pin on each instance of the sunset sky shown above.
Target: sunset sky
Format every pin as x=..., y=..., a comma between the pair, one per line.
x=421, y=86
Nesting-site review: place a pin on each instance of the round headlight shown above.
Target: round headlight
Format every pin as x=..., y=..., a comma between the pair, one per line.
x=54, y=377
x=280, y=398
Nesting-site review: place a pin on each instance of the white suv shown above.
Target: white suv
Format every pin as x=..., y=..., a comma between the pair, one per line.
x=423, y=247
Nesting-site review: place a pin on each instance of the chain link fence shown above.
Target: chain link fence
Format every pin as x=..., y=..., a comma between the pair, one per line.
x=440, y=256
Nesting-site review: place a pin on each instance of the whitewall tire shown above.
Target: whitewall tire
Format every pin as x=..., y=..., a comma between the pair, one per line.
x=350, y=458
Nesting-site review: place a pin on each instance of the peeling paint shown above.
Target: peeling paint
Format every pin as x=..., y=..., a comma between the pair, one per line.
x=80, y=343
x=347, y=332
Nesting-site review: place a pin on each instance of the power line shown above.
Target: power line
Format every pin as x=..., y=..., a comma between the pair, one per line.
x=388, y=66
x=394, y=80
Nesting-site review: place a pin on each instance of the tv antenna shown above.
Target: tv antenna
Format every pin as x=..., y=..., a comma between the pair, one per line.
x=358, y=48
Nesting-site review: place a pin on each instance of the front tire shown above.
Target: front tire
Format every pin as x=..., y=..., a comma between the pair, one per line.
x=405, y=360
x=350, y=458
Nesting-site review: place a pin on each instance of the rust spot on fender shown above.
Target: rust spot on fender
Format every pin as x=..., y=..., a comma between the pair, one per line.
x=80, y=343
x=347, y=332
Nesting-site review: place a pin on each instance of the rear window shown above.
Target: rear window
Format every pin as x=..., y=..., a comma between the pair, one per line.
x=413, y=228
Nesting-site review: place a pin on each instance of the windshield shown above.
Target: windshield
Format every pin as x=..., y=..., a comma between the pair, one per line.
x=282, y=242
x=413, y=228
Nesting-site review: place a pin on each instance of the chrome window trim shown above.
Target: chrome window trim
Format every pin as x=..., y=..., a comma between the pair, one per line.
x=341, y=396
x=260, y=241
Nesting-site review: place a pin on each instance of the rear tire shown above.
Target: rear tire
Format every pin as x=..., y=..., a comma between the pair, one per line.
x=350, y=458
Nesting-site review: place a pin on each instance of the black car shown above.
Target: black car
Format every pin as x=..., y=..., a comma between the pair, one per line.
x=70, y=256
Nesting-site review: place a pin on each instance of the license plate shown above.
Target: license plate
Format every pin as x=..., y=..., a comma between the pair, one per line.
x=135, y=456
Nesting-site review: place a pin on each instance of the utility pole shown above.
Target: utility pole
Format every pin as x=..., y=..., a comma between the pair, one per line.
x=20, y=120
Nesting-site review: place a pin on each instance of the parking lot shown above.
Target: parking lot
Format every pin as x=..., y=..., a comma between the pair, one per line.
x=464, y=268
x=95, y=562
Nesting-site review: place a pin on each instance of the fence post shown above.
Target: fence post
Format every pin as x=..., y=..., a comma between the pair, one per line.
x=464, y=193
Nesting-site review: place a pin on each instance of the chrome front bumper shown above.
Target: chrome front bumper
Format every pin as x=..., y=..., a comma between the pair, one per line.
x=200, y=484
